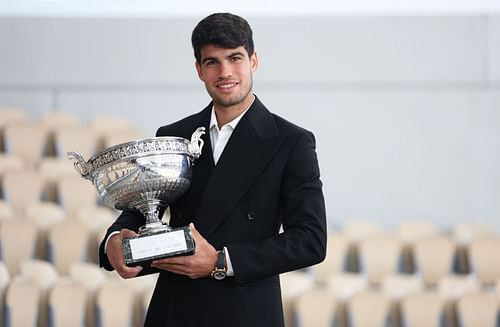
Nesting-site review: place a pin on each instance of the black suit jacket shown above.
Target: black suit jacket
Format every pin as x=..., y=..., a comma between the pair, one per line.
x=266, y=177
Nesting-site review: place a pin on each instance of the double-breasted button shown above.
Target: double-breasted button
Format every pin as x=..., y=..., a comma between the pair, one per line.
x=251, y=216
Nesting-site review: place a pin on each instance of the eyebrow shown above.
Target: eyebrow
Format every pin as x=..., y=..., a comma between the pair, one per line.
x=232, y=54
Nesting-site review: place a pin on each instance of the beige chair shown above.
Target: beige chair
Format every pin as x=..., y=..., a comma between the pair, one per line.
x=8, y=116
x=27, y=141
x=96, y=220
x=68, y=243
x=76, y=139
x=422, y=309
x=57, y=119
x=40, y=271
x=336, y=258
x=115, y=304
x=44, y=215
x=379, y=257
x=10, y=163
x=293, y=284
x=485, y=259
x=121, y=136
x=140, y=285
x=356, y=231
x=315, y=308
x=21, y=187
x=101, y=126
x=478, y=310
x=411, y=231
x=18, y=241
x=464, y=233
x=75, y=192
x=454, y=287
x=67, y=304
x=4, y=284
x=368, y=309
x=91, y=277
x=22, y=302
x=345, y=285
x=396, y=288
x=53, y=169
x=6, y=211
x=434, y=258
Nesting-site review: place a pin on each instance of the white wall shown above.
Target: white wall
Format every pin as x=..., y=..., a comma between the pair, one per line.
x=406, y=109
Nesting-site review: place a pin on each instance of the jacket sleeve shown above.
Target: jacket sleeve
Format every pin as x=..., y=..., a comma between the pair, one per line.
x=303, y=240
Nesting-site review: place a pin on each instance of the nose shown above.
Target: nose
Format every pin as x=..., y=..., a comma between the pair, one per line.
x=225, y=70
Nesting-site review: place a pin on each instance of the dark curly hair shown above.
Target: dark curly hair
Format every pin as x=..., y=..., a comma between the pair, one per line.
x=222, y=29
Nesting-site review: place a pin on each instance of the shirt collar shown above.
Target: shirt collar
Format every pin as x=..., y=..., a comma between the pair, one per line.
x=233, y=123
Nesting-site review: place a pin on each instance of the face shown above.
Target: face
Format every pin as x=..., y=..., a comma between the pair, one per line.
x=227, y=74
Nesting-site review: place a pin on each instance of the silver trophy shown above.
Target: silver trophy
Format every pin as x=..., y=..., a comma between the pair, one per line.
x=146, y=175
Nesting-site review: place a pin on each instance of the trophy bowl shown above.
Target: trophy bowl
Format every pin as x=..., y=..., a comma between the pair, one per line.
x=146, y=175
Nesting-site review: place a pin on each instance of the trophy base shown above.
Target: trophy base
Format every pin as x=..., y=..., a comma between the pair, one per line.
x=162, y=243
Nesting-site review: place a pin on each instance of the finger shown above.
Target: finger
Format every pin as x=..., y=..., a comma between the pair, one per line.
x=127, y=233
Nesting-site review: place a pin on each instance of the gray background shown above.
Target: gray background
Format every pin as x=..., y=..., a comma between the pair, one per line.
x=405, y=108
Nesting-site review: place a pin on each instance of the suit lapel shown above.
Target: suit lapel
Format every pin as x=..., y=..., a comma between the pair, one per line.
x=252, y=144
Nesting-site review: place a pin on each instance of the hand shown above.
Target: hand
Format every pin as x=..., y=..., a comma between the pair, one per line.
x=115, y=254
x=198, y=265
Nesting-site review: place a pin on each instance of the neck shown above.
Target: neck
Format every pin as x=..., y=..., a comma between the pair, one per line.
x=225, y=114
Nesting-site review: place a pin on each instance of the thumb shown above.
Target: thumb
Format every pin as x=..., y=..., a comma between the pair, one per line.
x=127, y=233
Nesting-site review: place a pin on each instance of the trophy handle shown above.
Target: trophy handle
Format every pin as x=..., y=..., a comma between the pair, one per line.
x=196, y=142
x=80, y=165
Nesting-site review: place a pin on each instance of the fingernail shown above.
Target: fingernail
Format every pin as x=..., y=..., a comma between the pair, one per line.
x=191, y=225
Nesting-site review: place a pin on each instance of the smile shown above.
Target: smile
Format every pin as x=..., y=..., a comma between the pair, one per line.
x=227, y=86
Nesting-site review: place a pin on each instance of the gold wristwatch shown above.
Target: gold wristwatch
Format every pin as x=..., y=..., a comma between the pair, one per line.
x=220, y=270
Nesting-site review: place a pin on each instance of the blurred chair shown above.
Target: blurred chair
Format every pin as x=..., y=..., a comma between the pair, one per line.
x=478, y=310
x=6, y=211
x=345, y=285
x=28, y=141
x=18, y=241
x=10, y=163
x=355, y=231
x=452, y=288
x=115, y=304
x=4, y=284
x=52, y=170
x=411, y=231
x=22, y=303
x=396, y=288
x=40, y=271
x=422, y=309
x=77, y=139
x=379, y=257
x=336, y=258
x=121, y=136
x=8, y=116
x=67, y=304
x=57, y=119
x=293, y=284
x=67, y=243
x=44, y=214
x=139, y=285
x=315, y=308
x=368, y=309
x=485, y=259
x=102, y=126
x=464, y=233
x=21, y=187
x=91, y=277
x=434, y=257
x=96, y=220
x=75, y=192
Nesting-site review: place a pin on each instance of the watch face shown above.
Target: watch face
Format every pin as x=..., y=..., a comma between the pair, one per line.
x=219, y=274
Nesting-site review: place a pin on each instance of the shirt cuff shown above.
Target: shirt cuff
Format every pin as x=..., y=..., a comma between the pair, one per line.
x=230, y=271
x=107, y=240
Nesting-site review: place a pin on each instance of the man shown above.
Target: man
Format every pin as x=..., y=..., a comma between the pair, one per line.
x=257, y=172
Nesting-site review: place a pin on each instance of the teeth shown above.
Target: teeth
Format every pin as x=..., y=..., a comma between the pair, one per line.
x=227, y=86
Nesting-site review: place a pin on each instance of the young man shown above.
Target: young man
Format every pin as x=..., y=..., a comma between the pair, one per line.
x=257, y=172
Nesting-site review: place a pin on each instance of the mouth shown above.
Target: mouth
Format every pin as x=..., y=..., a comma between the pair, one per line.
x=227, y=85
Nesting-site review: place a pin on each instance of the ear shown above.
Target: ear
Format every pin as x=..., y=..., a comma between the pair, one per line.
x=254, y=62
x=199, y=71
